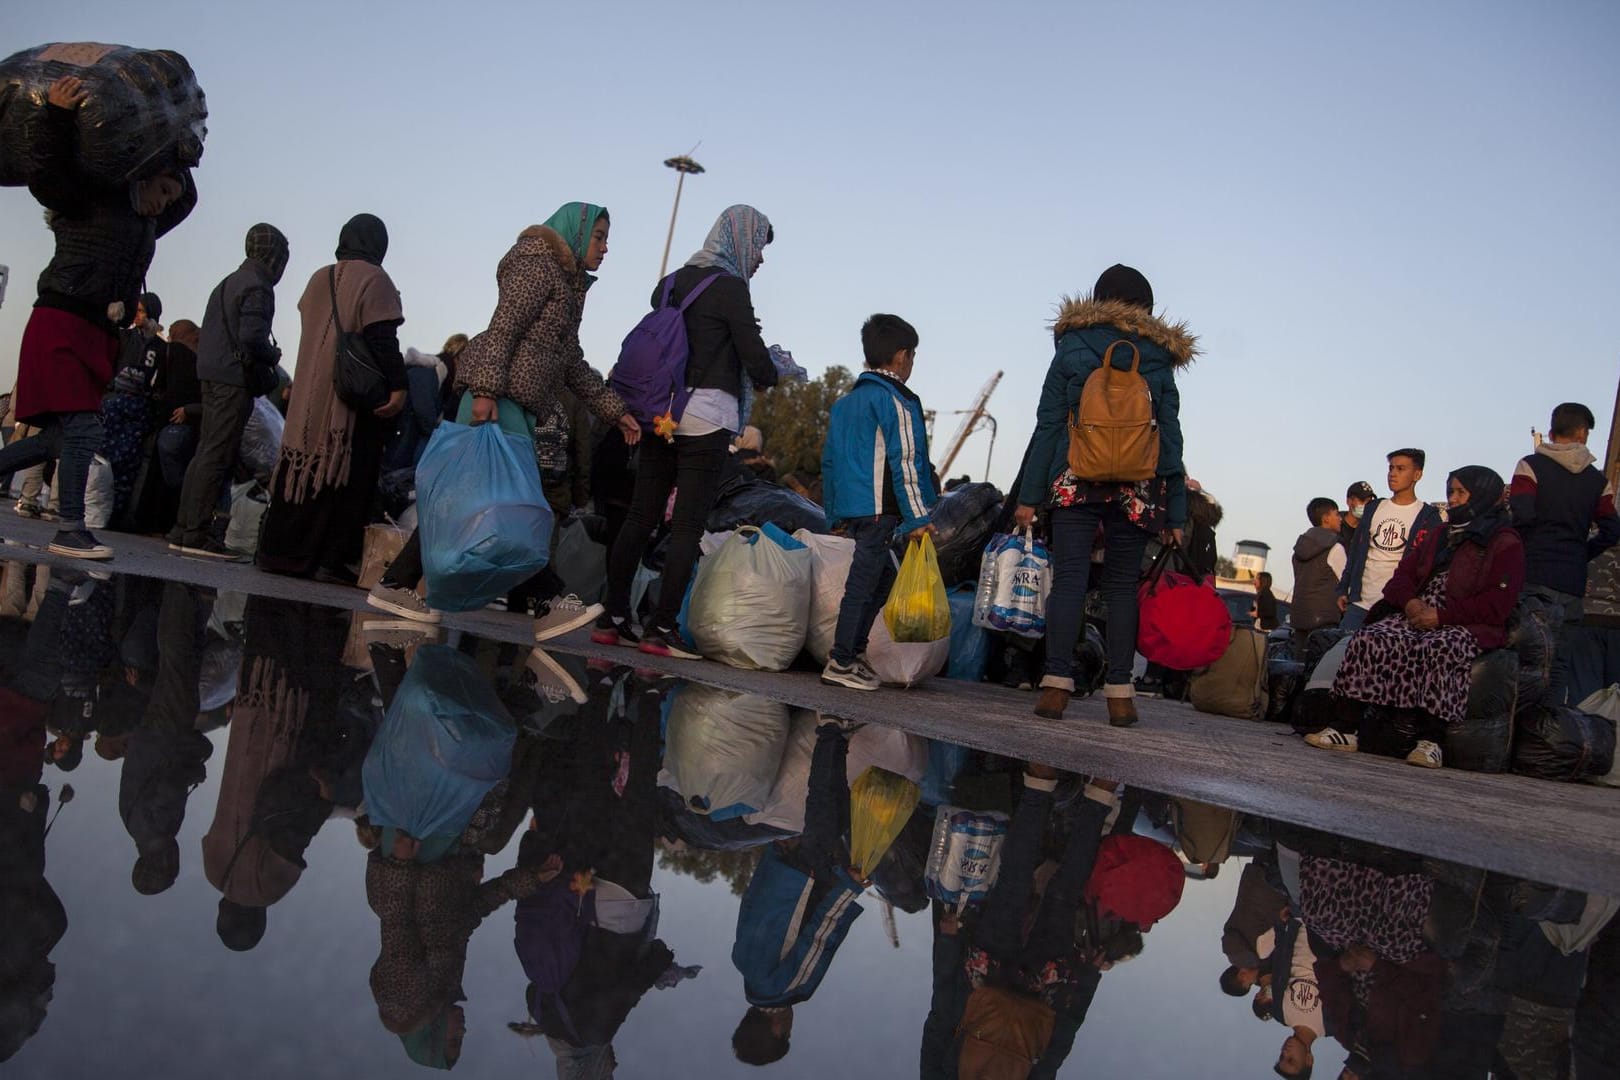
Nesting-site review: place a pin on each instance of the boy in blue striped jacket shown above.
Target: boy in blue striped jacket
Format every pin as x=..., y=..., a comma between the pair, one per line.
x=877, y=484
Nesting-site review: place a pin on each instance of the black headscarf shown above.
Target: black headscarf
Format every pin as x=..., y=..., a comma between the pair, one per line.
x=1478, y=519
x=365, y=237
x=1124, y=283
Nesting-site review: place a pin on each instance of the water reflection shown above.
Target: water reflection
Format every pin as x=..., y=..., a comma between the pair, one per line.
x=633, y=834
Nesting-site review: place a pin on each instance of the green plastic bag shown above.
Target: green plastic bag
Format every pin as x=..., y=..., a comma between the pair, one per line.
x=880, y=804
x=918, y=611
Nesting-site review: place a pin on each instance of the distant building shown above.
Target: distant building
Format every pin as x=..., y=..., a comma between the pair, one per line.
x=1249, y=559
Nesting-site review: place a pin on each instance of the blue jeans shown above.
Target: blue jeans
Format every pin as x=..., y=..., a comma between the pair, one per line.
x=1074, y=533
x=1354, y=618
x=866, y=590
x=71, y=438
x=416, y=423
x=176, y=443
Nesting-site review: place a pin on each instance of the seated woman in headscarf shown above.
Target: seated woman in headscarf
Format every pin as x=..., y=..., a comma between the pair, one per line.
x=1449, y=600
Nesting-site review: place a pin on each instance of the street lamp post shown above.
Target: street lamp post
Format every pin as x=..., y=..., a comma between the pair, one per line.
x=683, y=165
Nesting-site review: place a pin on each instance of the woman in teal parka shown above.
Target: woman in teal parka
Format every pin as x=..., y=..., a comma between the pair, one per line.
x=1120, y=307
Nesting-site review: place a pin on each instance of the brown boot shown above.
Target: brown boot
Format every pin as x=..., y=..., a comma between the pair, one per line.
x=1122, y=711
x=1052, y=702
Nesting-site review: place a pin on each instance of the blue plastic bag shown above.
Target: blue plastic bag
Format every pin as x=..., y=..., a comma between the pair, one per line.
x=484, y=521
x=970, y=645
x=445, y=741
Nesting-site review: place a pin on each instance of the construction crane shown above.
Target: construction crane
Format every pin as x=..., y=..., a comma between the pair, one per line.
x=975, y=419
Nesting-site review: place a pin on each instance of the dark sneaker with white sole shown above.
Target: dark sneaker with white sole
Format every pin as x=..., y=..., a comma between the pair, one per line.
x=612, y=630
x=854, y=676
x=78, y=544
x=667, y=643
x=562, y=615
x=212, y=549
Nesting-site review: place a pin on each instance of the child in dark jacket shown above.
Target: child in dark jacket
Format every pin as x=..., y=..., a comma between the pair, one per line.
x=877, y=484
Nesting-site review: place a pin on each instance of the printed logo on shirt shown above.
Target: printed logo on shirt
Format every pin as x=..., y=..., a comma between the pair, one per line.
x=1303, y=995
x=1389, y=535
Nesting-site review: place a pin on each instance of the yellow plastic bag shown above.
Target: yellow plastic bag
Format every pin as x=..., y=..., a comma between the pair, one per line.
x=918, y=611
x=880, y=804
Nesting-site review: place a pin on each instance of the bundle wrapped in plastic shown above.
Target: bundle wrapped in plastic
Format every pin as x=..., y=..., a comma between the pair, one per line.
x=751, y=599
x=722, y=750
x=1563, y=743
x=760, y=502
x=261, y=439
x=143, y=112
x=964, y=520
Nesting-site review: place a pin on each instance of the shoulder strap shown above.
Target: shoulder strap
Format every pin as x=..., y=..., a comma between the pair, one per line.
x=331, y=282
x=697, y=290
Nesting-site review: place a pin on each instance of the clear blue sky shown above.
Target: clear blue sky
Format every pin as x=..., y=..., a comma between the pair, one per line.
x=1390, y=224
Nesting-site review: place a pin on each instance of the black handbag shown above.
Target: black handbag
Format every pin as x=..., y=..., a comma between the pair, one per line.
x=356, y=375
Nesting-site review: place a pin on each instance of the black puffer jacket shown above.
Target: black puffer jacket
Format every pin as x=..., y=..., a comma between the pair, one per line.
x=103, y=247
x=721, y=332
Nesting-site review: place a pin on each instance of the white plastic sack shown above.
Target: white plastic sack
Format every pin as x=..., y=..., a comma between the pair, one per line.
x=905, y=664
x=98, y=494
x=1327, y=669
x=888, y=748
x=249, y=504
x=1015, y=578
x=1605, y=703
x=830, y=558
x=750, y=601
x=261, y=439
x=722, y=750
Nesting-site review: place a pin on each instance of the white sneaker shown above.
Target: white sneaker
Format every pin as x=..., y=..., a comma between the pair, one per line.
x=1426, y=755
x=1329, y=739
x=562, y=615
x=552, y=681
x=402, y=602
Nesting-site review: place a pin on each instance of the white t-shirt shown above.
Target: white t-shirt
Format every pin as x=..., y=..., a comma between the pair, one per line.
x=1387, y=533
x=1336, y=560
x=1302, y=1003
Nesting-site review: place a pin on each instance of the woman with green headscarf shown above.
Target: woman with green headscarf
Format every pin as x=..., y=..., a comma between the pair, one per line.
x=514, y=370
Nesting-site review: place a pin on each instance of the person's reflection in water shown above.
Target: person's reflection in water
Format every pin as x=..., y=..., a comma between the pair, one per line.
x=428, y=891
x=283, y=725
x=1013, y=981
x=586, y=940
x=164, y=758
x=32, y=917
x=799, y=906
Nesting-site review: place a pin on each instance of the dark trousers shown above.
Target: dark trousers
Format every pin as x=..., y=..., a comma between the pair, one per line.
x=825, y=842
x=1594, y=659
x=225, y=415
x=1074, y=533
x=327, y=529
x=1572, y=608
x=692, y=467
x=176, y=443
x=1007, y=908
x=871, y=576
x=72, y=439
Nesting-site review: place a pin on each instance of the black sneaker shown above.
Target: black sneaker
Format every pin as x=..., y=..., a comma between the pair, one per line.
x=658, y=642
x=78, y=544
x=613, y=630
x=212, y=549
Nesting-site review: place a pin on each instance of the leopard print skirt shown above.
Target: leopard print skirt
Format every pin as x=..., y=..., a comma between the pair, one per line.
x=1391, y=664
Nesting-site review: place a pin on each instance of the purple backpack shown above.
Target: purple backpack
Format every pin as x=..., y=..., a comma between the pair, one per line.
x=651, y=373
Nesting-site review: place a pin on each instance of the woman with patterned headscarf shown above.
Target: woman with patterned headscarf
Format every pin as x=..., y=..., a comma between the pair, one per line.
x=725, y=348
x=514, y=371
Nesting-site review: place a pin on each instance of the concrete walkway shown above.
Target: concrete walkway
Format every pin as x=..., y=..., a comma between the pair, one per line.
x=1563, y=834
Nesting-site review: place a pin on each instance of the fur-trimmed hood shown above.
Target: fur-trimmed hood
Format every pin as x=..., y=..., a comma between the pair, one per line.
x=1078, y=313
x=538, y=238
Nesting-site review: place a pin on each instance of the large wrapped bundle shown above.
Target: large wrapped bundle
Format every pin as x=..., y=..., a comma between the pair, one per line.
x=144, y=111
x=1531, y=635
x=1483, y=742
x=759, y=502
x=1563, y=743
x=965, y=519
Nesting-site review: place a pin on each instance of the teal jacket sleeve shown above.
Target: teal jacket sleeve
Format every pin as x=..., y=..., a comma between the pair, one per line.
x=1167, y=411
x=1050, y=439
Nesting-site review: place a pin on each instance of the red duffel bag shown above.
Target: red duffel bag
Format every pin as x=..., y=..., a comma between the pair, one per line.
x=1183, y=623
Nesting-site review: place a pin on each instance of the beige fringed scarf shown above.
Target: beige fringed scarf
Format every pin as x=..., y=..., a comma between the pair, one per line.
x=320, y=428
